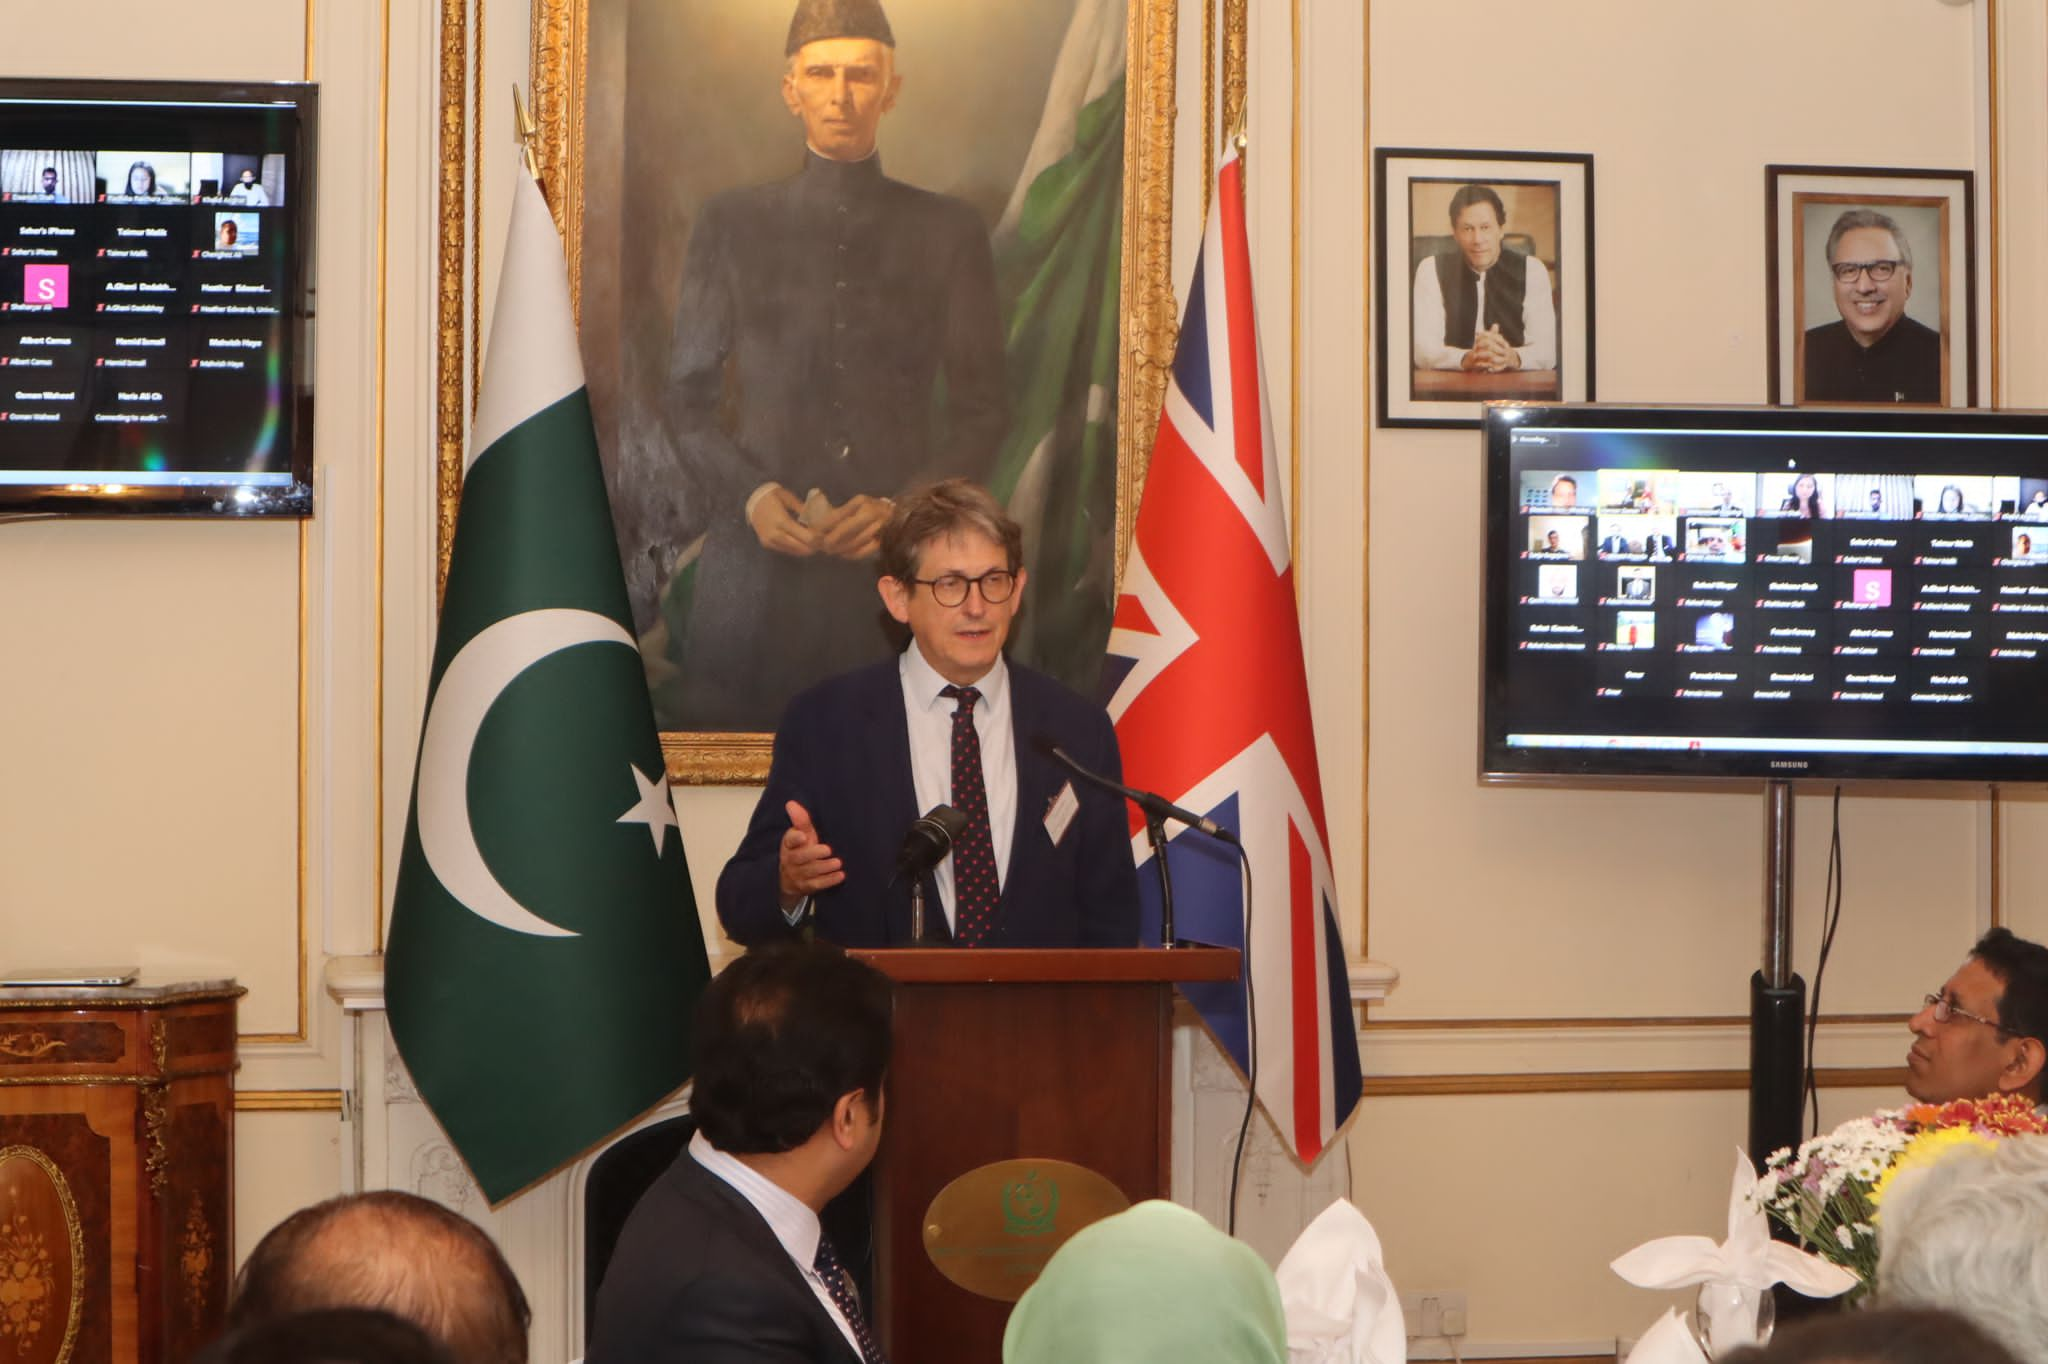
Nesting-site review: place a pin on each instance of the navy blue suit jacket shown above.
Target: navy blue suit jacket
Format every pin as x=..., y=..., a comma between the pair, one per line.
x=843, y=752
x=698, y=1278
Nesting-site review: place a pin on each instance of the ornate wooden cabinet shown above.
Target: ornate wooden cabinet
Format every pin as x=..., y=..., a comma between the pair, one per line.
x=116, y=1171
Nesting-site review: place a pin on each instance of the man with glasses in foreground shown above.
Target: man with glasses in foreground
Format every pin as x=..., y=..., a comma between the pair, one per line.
x=1044, y=861
x=1983, y=1034
x=1875, y=354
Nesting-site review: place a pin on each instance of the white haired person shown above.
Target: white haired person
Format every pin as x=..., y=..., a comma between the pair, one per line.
x=1884, y=1335
x=1970, y=1233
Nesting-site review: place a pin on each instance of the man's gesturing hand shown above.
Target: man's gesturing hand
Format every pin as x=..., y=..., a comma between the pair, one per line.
x=806, y=865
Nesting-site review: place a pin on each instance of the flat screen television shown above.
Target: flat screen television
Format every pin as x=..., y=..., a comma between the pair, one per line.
x=1765, y=593
x=154, y=240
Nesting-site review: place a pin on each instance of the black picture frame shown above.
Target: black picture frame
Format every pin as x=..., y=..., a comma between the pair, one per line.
x=1412, y=187
x=1934, y=208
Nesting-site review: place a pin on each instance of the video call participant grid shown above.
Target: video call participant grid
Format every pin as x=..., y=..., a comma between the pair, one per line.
x=1850, y=588
x=134, y=299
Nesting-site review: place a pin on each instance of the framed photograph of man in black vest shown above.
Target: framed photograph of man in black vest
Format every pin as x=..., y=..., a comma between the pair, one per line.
x=821, y=259
x=1871, y=286
x=1484, y=276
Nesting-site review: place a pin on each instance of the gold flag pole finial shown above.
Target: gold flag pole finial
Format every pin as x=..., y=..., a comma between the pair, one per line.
x=524, y=128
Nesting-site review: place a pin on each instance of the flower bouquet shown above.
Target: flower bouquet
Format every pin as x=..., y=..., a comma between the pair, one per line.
x=1830, y=1191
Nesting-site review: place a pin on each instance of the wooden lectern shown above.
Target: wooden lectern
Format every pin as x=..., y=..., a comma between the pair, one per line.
x=1015, y=1053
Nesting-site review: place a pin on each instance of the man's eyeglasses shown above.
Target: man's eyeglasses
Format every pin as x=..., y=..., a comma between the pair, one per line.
x=1946, y=1008
x=950, y=589
x=1878, y=270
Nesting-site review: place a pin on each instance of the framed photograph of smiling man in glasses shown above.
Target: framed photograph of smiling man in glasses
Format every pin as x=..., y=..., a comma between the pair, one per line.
x=1872, y=288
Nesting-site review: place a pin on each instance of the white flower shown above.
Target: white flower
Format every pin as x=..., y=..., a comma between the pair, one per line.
x=1847, y=1241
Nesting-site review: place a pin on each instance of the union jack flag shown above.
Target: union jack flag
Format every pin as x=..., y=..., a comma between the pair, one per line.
x=1210, y=701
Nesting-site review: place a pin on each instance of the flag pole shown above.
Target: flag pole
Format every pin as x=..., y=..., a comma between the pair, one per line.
x=528, y=132
x=1241, y=139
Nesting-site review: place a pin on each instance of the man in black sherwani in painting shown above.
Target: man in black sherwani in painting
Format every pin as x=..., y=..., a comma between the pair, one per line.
x=837, y=342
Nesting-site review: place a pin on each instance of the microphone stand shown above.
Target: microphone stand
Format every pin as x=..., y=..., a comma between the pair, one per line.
x=1158, y=809
x=1155, y=833
x=917, y=934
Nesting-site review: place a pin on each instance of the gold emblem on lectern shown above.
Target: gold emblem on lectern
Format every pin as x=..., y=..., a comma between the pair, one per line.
x=1029, y=1205
x=992, y=1229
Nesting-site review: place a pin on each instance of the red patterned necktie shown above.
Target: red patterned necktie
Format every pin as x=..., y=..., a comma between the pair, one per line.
x=975, y=890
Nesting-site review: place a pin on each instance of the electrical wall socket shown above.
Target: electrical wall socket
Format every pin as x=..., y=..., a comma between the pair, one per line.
x=1433, y=1316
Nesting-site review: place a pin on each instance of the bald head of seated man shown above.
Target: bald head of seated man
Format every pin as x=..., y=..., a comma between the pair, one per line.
x=396, y=1251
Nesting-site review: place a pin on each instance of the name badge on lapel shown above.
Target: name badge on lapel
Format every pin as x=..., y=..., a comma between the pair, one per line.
x=1060, y=813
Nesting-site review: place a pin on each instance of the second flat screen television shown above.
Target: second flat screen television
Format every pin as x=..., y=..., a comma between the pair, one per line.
x=1766, y=593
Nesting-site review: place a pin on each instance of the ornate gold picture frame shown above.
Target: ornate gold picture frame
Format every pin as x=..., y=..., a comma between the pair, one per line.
x=562, y=62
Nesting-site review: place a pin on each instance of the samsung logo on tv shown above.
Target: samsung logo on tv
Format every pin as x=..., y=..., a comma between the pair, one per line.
x=1797, y=765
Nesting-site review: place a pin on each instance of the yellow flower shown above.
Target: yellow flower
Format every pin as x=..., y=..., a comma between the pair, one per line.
x=1925, y=1149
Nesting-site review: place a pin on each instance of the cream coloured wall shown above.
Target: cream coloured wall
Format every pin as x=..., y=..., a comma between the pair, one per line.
x=1455, y=884
x=1520, y=904
x=193, y=768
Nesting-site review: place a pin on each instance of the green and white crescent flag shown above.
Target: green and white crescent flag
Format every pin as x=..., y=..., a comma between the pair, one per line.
x=545, y=954
x=1058, y=256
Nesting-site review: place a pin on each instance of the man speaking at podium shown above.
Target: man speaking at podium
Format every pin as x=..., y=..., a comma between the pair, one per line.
x=1043, y=861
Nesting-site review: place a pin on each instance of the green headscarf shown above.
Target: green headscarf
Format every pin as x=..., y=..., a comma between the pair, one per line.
x=1154, y=1283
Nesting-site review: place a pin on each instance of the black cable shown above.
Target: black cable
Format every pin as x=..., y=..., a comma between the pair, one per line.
x=1251, y=1040
x=1831, y=910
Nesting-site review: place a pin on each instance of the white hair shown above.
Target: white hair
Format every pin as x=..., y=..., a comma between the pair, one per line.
x=1970, y=1233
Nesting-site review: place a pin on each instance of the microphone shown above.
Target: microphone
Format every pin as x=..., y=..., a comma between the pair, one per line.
x=928, y=841
x=1158, y=806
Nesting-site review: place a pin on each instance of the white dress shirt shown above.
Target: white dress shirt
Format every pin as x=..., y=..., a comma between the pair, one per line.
x=792, y=1221
x=1539, y=320
x=931, y=755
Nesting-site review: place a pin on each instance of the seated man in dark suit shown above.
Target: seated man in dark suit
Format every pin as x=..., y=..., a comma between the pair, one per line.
x=724, y=1259
x=1045, y=861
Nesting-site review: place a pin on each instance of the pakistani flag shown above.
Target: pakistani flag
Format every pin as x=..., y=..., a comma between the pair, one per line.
x=545, y=953
x=1058, y=254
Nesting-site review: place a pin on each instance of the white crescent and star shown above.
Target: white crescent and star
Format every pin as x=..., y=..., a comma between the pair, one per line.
x=475, y=678
x=654, y=809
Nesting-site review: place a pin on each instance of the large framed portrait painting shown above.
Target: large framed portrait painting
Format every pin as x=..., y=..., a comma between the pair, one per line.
x=827, y=251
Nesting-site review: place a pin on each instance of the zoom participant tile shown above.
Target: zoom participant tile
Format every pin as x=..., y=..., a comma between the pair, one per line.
x=1643, y=677
x=1710, y=677
x=1946, y=682
x=1872, y=682
x=1807, y=635
x=1780, y=679
x=1938, y=636
x=1871, y=634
